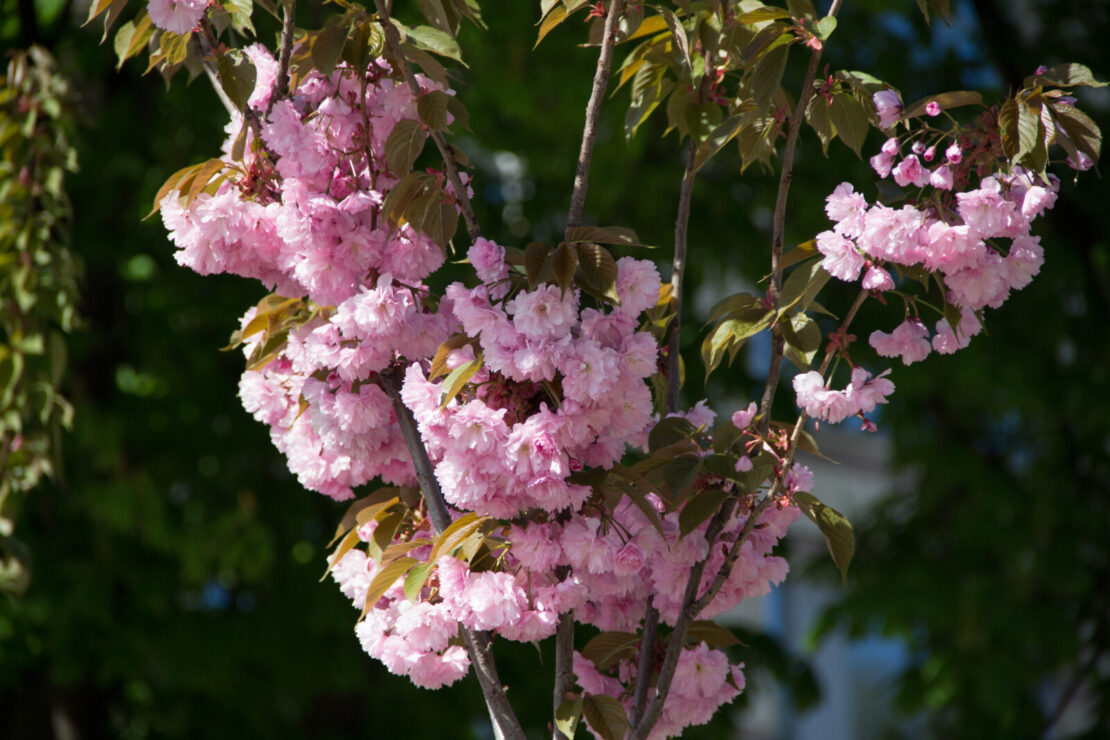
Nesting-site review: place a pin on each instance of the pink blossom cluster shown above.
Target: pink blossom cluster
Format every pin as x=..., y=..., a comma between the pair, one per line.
x=311, y=226
x=980, y=249
x=557, y=387
x=861, y=396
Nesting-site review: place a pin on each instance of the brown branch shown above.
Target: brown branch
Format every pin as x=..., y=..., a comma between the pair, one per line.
x=564, y=667
x=478, y=644
x=786, y=175
x=681, y=626
x=645, y=662
x=593, y=110
x=678, y=269
x=288, y=28
x=393, y=40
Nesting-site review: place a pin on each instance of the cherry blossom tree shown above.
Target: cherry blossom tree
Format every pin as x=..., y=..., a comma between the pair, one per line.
x=515, y=447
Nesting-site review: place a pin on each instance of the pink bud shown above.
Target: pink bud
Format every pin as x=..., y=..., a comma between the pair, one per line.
x=954, y=153
x=933, y=108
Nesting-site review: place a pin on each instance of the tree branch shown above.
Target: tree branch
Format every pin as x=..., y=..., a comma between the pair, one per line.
x=288, y=28
x=681, y=626
x=564, y=667
x=593, y=110
x=478, y=644
x=678, y=269
x=393, y=40
x=786, y=175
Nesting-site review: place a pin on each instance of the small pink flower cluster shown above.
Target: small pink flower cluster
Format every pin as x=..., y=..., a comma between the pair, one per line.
x=703, y=681
x=962, y=246
x=861, y=396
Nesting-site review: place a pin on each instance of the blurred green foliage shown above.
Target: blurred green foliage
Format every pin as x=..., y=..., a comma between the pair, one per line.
x=175, y=588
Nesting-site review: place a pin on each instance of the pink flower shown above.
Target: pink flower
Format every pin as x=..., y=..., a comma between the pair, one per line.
x=742, y=418
x=842, y=259
x=628, y=560
x=545, y=313
x=954, y=153
x=867, y=392
x=932, y=108
x=909, y=171
x=846, y=207
x=941, y=178
x=877, y=279
x=909, y=341
x=176, y=16
x=488, y=260
x=888, y=104
x=637, y=285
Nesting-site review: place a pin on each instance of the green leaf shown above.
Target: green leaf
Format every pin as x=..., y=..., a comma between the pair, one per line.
x=607, y=649
x=762, y=15
x=452, y=537
x=434, y=40
x=802, y=286
x=817, y=115
x=825, y=27
x=606, y=716
x=767, y=76
x=1080, y=130
x=384, y=580
x=432, y=109
x=604, y=235
x=556, y=15
x=678, y=35
x=1029, y=135
x=383, y=496
x=850, y=120
x=564, y=263
x=535, y=256
x=457, y=380
x=345, y=547
x=721, y=135
x=679, y=473
x=131, y=38
x=327, y=46
x=947, y=101
x=598, y=269
x=567, y=716
x=404, y=145
x=237, y=76
x=698, y=509
x=416, y=579
x=839, y=536
x=712, y=634
x=1066, y=75
x=668, y=431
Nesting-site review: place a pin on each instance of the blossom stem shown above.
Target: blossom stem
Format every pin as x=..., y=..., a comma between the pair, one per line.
x=393, y=39
x=593, y=111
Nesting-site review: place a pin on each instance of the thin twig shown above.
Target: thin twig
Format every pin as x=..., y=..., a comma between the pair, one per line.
x=478, y=644
x=393, y=40
x=593, y=110
x=678, y=269
x=288, y=28
x=786, y=175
